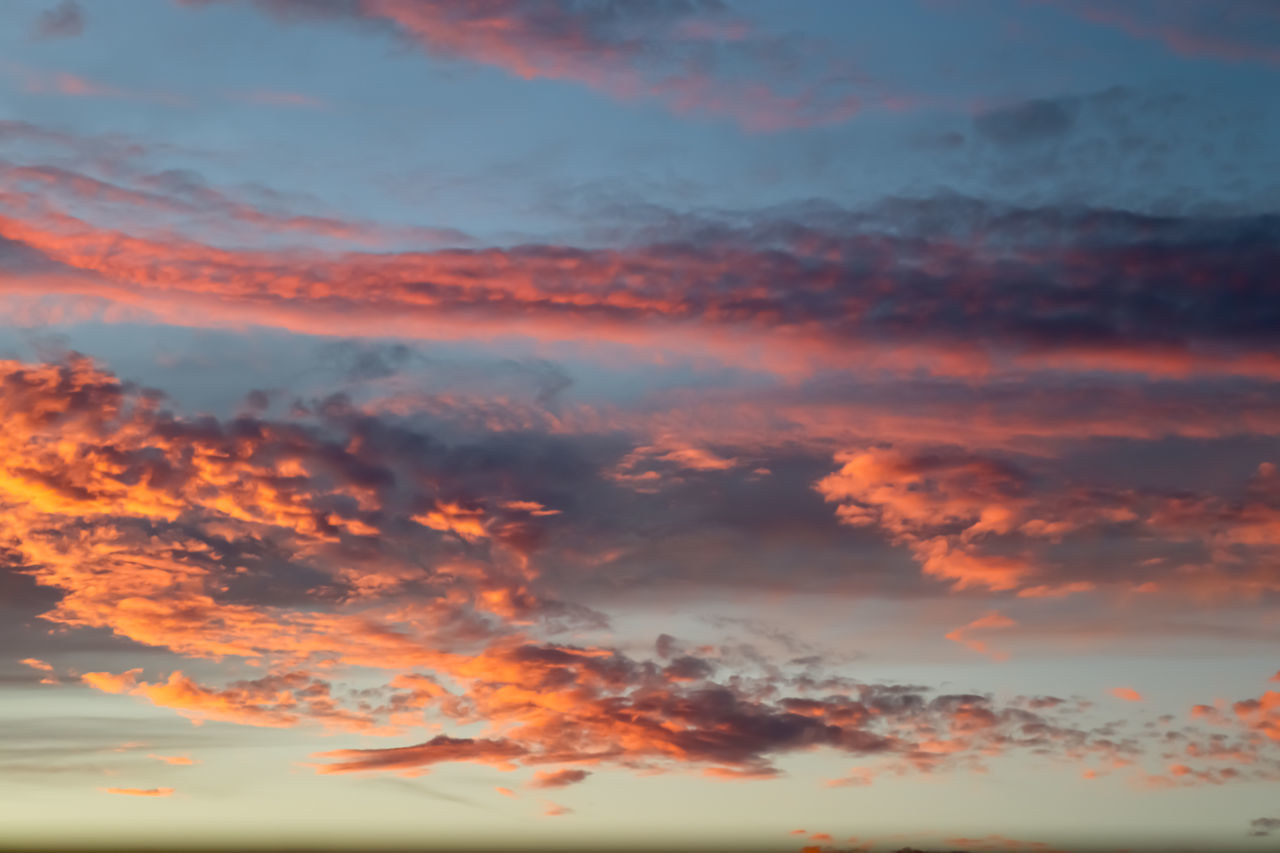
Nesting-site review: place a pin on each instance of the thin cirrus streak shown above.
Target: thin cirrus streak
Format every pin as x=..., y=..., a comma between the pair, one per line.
x=172, y=196
x=67, y=84
x=1230, y=31
x=662, y=52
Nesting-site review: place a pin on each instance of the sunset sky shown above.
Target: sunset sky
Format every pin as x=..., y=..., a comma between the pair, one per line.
x=813, y=424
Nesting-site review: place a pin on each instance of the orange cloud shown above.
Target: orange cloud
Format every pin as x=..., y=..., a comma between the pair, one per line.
x=992, y=620
x=995, y=841
x=554, y=292
x=1128, y=694
x=557, y=779
x=415, y=760
x=110, y=683
x=274, y=701
x=147, y=524
x=913, y=496
x=1261, y=714
x=140, y=792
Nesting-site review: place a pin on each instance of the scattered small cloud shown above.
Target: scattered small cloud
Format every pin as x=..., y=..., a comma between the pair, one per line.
x=1263, y=827
x=558, y=778
x=65, y=20
x=1128, y=694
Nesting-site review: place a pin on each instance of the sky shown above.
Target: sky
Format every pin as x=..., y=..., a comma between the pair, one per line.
x=825, y=426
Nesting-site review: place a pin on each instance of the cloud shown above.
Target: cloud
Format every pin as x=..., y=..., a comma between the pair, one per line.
x=1027, y=122
x=977, y=522
x=274, y=701
x=1003, y=843
x=413, y=760
x=557, y=778
x=67, y=84
x=282, y=543
x=1262, y=714
x=722, y=295
x=140, y=792
x=1263, y=827
x=992, y=620
x=65, y=20
x=915, y=497
x=184, y=196
x=1230, y=31
x=277, y=98
x=558, y=704
x=680, y=55
x=1128, y=694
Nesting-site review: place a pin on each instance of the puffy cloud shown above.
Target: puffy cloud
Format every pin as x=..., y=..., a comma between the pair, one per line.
x=1261, y=714
x=282, y=543
x=211, y=512
x=978, y=521
x=918, y=498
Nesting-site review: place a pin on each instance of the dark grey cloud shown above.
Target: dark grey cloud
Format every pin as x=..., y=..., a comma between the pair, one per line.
x=64, y=20
x=1263, y=827
x=1028, y=122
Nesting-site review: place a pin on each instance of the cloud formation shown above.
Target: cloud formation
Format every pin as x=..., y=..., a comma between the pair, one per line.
x=425, y=429
x=689, y=56
x=120, y=513
x=64, y=20
x=784, y=295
